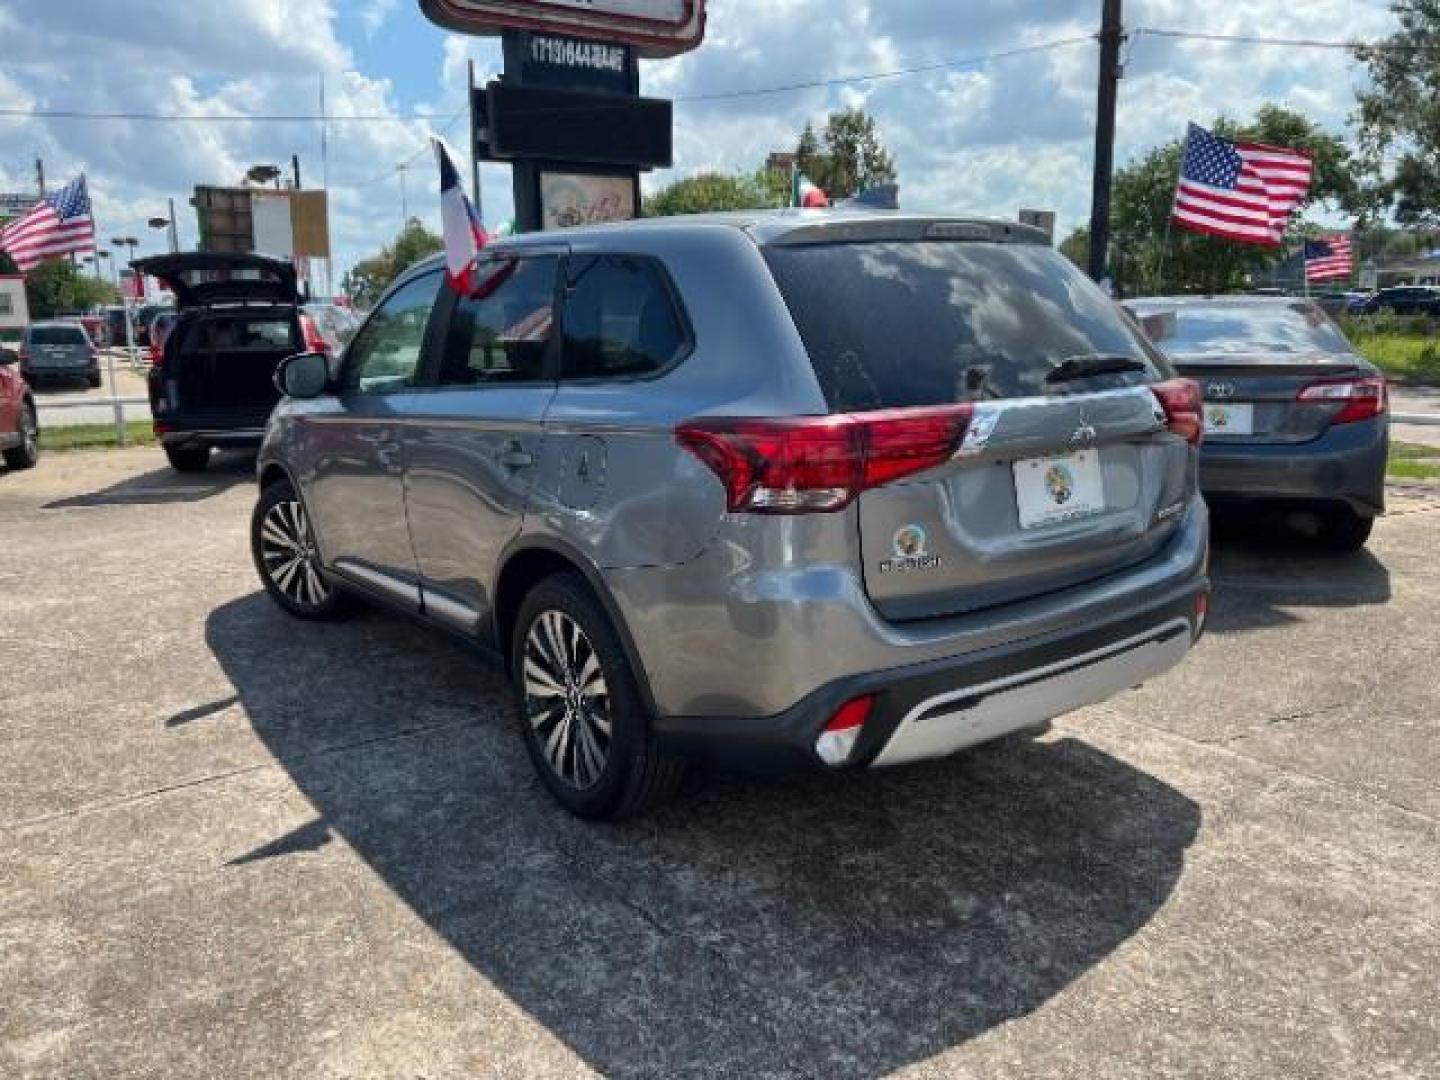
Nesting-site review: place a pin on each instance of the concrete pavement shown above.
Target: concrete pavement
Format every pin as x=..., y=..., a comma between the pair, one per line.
x=235, y=845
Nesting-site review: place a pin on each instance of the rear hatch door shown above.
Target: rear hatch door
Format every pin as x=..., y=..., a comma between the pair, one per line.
x=1063, y=475
x=199, y=278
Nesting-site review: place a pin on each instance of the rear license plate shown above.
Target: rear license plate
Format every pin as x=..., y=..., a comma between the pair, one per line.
x=1229, y=419
x=1051, y=490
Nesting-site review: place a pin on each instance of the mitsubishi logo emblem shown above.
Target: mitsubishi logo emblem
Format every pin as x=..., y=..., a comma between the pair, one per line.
x=1084, y=434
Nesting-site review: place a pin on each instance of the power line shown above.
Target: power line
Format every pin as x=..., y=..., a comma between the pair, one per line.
x=1297, y=43
x=876, y=76
x=723, y=95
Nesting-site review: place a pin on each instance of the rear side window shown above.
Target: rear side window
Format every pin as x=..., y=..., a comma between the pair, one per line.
x=912, y=323
x=58, y=335
x=501, y=333
x=620, y=318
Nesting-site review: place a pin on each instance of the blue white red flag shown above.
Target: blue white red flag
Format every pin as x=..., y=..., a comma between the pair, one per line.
x=465, y=236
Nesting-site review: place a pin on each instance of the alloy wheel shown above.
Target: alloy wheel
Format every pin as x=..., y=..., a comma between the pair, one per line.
x=287, y=549
x=567, y=702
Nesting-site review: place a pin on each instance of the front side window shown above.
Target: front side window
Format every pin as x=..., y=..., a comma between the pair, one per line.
x=385, y=354
x=501, y=332
x=620, y=318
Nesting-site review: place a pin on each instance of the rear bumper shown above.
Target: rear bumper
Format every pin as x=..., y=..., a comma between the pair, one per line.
x=1346, y=464
x=35, y=371
x=937, y=708
x=233, y=437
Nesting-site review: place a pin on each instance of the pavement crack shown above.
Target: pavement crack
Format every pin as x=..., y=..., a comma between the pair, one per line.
x=213, y=778
x=1264, y=763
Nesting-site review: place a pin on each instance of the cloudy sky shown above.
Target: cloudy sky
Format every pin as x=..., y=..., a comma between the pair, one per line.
x=983, y=137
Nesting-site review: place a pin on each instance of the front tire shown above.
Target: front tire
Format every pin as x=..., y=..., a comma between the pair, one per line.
x=188, y=457
x=282, y=543
x=1342, y=529
x=27, y=453
x=581, y=712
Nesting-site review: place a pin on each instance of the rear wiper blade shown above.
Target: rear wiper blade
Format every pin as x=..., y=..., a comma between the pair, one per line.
x=1082, y=367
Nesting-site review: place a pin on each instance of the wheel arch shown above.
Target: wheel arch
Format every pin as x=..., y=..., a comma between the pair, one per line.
x=530, y=560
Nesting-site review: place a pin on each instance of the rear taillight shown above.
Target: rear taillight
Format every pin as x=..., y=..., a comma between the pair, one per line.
x=1359, y=399
x=1184, y=406
x=837, y=741
x=817, y=464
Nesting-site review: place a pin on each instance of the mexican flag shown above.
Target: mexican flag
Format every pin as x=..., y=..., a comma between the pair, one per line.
x=806, y=194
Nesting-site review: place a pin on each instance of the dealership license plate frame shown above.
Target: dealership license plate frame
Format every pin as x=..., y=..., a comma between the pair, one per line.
x=1058, y=488
x=1229, y=419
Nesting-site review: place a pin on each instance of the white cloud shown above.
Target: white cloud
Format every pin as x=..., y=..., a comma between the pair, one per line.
x=374, y=14
x=977, y=138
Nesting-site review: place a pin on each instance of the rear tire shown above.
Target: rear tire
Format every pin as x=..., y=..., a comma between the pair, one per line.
x=1342, y=529
x=188, y=457
x=27, y=453
x=580, y=709
x=282, y=544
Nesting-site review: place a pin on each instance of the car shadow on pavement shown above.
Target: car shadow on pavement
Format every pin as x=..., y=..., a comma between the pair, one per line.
x=1263, y=567
x=225, y=471
x=817, y=926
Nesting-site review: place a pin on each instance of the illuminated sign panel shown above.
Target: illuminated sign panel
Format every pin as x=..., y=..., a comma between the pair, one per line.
x=656, y=28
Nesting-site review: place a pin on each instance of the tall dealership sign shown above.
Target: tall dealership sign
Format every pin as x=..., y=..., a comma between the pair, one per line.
x=567, y=112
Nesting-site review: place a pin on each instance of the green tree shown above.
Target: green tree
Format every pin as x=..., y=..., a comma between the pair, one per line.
x=7, y=264
x=711, y=191
x=368, y=278
x=1076, y=248
x=1148, y=256
x=848, y=158
x=1400, y=113
x=57, y=285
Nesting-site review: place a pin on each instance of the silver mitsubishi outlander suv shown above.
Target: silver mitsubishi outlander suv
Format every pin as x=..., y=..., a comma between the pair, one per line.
x=832, y=489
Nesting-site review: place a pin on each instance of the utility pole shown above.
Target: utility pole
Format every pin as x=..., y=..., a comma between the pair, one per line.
x=474, y=150
x=404, y=205
x=1112, y=36
x=40, y=176
x=295, y=169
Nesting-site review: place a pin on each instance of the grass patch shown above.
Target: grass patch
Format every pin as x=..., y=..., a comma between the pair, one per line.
x=1412, y=461
x=95, y=436
x=1412, y=357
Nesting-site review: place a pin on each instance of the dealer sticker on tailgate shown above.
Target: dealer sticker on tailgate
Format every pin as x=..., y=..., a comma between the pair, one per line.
x=1051, y=490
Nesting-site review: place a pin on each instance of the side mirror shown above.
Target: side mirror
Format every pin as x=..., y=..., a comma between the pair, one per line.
x=304, y=375
x=8, y=357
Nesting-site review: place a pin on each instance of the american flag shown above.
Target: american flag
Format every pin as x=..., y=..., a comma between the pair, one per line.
x=56, y=225
x=1329, y=258
x=1239, y=191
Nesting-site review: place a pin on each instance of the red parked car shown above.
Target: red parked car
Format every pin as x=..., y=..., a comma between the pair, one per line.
x=19, y=430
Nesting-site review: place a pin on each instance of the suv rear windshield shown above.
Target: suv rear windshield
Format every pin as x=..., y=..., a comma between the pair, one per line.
x=58, y=335
x=896, y=324
x=1228, y=328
